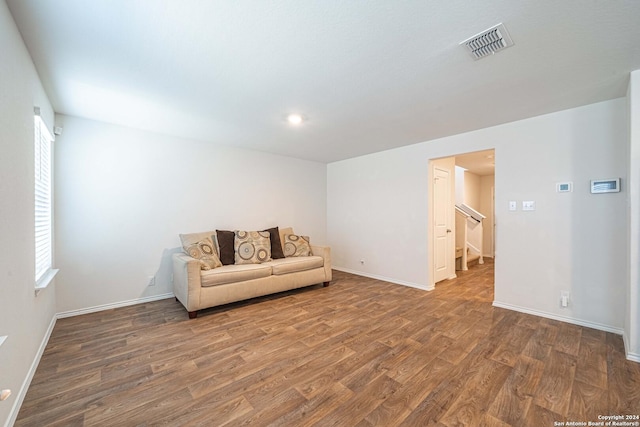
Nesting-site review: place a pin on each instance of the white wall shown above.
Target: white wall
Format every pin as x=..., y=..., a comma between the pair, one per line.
x=475, y=191
x=460, y=188
x=632, y=324
x=487, y=182
x=123, y=196
x=377, y=210
x=26, y=319
x=472, y=196
x=472, y=190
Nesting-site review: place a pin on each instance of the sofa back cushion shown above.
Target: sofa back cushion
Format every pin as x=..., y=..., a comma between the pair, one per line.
x=283, y=232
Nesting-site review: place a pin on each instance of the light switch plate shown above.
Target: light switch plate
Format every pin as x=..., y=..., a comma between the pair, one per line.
x=513, y=205
x=528, y=205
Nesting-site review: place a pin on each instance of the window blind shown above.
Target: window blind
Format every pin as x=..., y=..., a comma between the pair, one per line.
x=43, y=200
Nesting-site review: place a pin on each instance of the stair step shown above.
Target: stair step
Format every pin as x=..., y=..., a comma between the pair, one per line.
x=473, y=260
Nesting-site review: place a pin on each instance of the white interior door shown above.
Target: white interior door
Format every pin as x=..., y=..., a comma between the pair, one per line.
x=443, y=218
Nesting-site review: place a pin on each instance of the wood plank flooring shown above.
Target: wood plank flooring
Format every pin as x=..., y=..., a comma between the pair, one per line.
x=359, y=353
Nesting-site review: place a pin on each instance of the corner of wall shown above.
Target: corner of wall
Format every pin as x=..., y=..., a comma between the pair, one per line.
x=15, y=409
x=632, y=314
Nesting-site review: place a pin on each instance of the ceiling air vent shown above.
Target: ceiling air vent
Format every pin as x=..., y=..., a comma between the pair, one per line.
x=488, y=42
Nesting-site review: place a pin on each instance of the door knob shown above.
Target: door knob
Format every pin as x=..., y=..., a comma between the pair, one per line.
x=448, y=231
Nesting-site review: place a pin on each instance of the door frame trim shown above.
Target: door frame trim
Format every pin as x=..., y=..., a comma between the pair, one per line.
x=431, y=284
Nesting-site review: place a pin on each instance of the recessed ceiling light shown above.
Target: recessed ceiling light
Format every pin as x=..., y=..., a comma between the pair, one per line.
x=294, y=119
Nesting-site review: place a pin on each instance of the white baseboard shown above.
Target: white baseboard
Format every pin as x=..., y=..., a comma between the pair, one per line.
x=634, y=357
x=383, y=278
x=13, y=414
x=565, y=319
x=103, y=307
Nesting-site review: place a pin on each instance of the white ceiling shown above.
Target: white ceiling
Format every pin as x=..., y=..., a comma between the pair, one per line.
x=368, y=75
x=478, y=162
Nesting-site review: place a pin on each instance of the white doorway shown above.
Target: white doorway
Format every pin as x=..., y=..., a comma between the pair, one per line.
x=448, y=189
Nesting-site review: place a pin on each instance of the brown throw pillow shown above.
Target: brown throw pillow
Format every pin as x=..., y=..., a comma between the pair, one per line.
x=225, y=243
x=276, y=244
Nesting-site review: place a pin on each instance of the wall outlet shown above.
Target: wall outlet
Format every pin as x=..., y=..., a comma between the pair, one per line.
x=564, y=299
x=151, y=280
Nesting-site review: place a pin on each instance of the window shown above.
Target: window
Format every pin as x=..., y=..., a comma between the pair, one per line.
x=43, y=144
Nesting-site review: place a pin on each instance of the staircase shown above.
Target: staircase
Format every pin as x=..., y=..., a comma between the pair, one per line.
x=472, y=259
x=468, y=237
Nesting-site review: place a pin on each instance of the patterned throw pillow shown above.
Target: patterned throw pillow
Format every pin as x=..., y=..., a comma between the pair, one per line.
x=252, y=247
x=203, y=250
x=296, y=245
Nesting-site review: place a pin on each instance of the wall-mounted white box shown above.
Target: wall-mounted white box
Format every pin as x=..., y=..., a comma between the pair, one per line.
x=605, y=185
x=529, y=205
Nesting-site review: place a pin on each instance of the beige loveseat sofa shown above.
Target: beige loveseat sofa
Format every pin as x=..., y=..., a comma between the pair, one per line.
x=198, y=289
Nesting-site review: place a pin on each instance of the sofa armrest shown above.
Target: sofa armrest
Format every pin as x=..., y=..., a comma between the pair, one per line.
x=324, y=252
x=186, y=281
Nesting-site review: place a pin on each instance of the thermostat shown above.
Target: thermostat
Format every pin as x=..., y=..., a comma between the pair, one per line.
x=564, y=187
x=605, y=185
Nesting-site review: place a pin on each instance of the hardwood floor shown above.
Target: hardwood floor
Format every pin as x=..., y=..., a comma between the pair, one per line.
x=359, y=353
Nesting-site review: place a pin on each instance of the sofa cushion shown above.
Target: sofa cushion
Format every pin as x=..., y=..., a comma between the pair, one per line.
x=283, y=232
x=234, y=273
x=276, y=243
x=191, y=238
x=252, y=247
x=201, y=247
x=294, y=264
x=295, y=246
x=225, y=243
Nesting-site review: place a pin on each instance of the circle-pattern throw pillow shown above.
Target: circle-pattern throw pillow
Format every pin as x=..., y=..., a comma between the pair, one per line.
x=205, y=252
x=252, y=247
x=297, y=245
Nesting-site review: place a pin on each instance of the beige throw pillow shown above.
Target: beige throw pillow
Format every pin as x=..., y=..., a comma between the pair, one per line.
x=296, y=245
x=283, y=232
x=252, y=247
x=203, y=250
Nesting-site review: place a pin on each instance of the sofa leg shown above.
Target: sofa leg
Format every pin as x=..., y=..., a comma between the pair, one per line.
x=325, y=284
x=176, y=298
x=193, y=314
